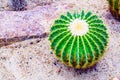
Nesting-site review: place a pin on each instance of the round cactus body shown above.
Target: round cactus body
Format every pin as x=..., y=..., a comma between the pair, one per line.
x=78, y=40
x=115, y=8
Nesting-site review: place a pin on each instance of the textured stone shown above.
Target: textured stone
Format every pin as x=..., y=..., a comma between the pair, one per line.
x=15, y=59
x=18, y=5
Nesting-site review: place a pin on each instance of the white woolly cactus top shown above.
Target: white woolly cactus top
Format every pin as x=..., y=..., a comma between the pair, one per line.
x=78, y=40
x=78, y=27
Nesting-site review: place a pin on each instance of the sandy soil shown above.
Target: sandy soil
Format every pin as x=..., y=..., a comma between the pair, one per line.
x=30, y=58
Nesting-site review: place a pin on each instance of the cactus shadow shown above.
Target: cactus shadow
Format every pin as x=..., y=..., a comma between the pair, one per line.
x=85, y=71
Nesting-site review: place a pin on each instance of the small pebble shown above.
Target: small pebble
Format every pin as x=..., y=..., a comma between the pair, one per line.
x=26, y=62
x=37, y=41
x=30, y=57
x=112, y=22
x=59, y=70
x=51, y=52
x=54, y=63
x=31, y=42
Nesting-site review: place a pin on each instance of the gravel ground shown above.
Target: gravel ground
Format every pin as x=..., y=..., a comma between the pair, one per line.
x=30, y=58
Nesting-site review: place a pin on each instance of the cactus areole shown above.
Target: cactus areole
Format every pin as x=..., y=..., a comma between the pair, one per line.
x=78, y=40
x=115, y=8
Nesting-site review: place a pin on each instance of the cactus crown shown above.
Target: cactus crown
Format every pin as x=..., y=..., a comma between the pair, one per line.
x=78, y=40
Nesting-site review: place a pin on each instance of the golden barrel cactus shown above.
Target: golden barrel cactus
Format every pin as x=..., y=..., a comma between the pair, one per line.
x=79, y=39
x=115, y=8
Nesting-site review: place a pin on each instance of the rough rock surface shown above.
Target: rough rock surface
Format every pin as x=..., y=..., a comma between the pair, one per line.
x=32, y=59
x=4, y=5
x=11, y=5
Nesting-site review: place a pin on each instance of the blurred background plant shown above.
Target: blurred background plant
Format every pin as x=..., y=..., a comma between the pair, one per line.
x=114, y=6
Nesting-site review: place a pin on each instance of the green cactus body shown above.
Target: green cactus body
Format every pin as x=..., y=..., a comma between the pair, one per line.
x=115, y=8
x=78, y=40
